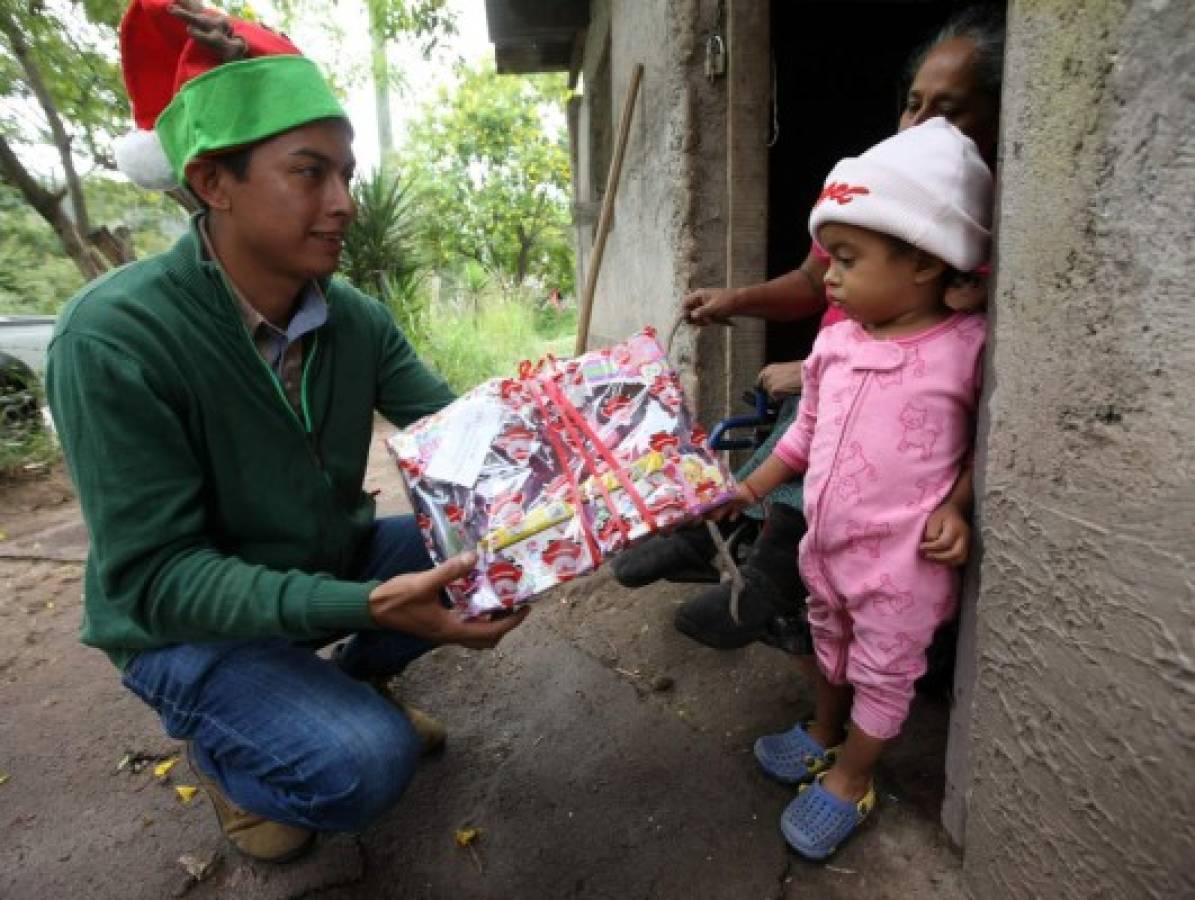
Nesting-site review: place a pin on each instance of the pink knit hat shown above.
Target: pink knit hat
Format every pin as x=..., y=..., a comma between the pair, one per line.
x=927, y=185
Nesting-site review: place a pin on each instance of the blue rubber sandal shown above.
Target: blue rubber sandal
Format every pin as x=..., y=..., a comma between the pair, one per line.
x=793, y=757
x=816, y=822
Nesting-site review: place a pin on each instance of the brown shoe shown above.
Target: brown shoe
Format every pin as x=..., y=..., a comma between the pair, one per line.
x=251, y=834
x=431, y=733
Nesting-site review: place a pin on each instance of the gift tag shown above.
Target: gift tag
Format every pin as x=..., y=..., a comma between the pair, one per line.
x=465, y=440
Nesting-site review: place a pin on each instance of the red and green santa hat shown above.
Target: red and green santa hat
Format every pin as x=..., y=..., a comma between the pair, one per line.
x=187, y=102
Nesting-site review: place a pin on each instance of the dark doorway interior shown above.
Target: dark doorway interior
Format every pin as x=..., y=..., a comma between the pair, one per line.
x=840, y=80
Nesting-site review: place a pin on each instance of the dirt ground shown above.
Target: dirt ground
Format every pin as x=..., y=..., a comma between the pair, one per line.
x=600, y=753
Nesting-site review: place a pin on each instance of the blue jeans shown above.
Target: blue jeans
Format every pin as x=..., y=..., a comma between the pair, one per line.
x=287, y=734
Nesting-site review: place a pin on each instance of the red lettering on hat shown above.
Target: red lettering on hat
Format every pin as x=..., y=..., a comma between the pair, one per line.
x=841, y=192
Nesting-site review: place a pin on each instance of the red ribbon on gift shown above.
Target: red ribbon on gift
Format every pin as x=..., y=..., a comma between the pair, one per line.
x=555, y=407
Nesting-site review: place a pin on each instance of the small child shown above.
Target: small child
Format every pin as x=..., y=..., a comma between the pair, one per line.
x=883, y=432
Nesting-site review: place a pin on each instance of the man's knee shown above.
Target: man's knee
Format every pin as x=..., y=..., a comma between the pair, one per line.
x=363, y=772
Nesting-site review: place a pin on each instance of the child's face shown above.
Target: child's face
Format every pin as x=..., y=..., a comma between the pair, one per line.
x=873, y=283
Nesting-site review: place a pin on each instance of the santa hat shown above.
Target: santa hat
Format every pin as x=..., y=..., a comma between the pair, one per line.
x=927, y=186
x=188, y=102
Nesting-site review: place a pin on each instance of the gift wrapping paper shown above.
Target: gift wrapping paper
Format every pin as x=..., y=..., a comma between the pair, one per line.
x=551, y=472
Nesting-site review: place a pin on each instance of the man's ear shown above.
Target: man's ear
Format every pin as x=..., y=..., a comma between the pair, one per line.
x=928, y=268
x=208, y=181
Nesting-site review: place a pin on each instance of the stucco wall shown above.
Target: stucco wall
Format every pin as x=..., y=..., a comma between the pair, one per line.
x=663, y=242
x=1083, y=726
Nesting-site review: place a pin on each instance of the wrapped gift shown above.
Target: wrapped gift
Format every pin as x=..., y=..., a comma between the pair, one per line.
x=549, y=473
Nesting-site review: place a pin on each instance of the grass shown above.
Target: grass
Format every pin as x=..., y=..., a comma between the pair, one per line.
x=468, y=349
x=26, y=450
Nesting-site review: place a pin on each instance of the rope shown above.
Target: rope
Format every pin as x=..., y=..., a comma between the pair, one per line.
x=729, y=567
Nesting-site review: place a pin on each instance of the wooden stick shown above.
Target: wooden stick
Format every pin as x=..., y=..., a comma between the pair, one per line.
x=599, y=245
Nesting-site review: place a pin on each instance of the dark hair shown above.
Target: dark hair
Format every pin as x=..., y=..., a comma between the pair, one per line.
x=899, y=247
x=984, y=27
x=236, y=162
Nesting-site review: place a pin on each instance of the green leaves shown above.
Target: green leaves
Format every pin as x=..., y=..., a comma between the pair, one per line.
x=491, y=158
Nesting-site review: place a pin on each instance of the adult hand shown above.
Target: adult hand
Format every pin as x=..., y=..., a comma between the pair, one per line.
x=709, y=306
x=210, y=28
x=947, y=538
x=411, y=604
x=781, y=380
x=967, y=293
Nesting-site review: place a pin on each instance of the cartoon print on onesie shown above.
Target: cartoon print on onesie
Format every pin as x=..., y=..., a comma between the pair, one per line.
x=850, y=469
x=927, y=491
x=902, y=653
x=867, y=538
x=971, y=329
x=921, y=430
x=890, y=599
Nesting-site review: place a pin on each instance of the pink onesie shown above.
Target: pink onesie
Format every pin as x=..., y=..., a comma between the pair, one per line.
x=884, y=427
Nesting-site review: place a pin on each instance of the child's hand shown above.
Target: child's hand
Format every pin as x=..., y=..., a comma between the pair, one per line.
x=734, y=507
x=947, y=536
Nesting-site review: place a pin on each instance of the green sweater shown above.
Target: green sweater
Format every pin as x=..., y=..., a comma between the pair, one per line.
x=214, y=510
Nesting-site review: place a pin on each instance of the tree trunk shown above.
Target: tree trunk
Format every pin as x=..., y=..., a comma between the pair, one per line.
x=62, y=140
x=381, y=83
x=49, y=206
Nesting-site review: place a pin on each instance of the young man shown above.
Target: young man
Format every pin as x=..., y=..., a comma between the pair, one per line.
x=215, y=405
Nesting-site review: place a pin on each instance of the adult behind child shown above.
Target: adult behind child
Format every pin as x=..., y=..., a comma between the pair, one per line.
x=883, y=431
x=956, y=75
x=215, y=405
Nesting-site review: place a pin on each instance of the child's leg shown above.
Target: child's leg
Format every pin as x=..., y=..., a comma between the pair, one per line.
x=831, y=711
x=850, y=777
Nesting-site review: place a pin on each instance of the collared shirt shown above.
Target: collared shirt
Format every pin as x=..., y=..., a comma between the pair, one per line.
x=281, y=349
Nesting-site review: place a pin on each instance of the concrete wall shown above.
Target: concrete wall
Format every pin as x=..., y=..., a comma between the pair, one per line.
x=1082, y=744
x=664, y=241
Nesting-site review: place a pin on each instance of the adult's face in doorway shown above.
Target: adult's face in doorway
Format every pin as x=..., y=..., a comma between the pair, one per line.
x=947, y=84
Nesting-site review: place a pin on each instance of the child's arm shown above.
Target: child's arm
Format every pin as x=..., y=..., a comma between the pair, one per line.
x=772, y=473
x=791, y=454
x=947, y=538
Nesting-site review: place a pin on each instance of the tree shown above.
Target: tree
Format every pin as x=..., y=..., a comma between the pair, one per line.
x=58, y=58
x=379, y=249
x=491, y=158
x=60, y=87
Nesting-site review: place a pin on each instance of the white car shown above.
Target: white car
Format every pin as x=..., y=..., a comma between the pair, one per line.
x=24, y=341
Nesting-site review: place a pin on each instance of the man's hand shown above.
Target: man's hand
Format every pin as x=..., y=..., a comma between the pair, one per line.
x=947, y=536
x=709, y=306
x=411, y=604
x=210, y=28
x=781, y=380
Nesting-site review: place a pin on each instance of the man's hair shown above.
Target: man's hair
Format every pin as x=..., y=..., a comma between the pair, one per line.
x=983, y=25
x=236, y=162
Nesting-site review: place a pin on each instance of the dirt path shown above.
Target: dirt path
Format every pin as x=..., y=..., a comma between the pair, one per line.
x=599, y=752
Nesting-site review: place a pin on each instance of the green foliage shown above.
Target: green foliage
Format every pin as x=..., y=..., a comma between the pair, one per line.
x=74, y=45
x=381, y=240
x=467, y=349
x=492, y=162
x=25, y=450
x=380, y=255
x=36, y=275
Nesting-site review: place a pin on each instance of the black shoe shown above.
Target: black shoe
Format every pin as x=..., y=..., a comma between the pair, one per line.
x=685, y=555
x=772, y=592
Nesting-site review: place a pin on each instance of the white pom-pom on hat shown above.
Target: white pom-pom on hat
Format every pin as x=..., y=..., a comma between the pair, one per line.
x=139, y=155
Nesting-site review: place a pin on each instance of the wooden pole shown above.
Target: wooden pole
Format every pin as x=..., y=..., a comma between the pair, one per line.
x=603, y=230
